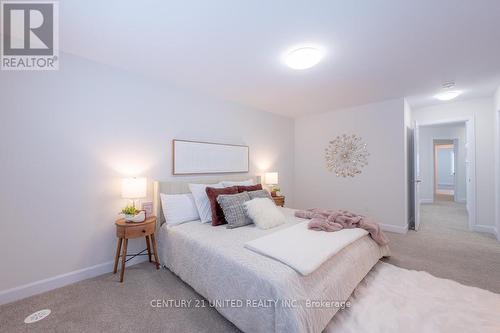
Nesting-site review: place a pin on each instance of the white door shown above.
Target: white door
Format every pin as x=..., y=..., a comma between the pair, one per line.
x=416, y=175
x=454, y=170
x=470, y=171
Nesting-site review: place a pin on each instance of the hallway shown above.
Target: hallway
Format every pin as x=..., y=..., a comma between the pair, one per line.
x=443, y=213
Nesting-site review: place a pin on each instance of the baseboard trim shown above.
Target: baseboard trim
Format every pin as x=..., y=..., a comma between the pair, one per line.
x=38, y=287
x=394, y=228
x=426, y=201
x=485, y=228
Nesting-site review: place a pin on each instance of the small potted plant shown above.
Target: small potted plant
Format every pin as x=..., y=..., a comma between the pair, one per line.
x=275, y=191
x=132, y=214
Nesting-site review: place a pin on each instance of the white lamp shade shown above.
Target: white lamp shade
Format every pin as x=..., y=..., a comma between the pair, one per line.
x=134, y=188
x=271, y=178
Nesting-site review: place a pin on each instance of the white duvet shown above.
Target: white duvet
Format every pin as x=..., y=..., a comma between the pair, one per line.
x=214, y=261
x=303, y=249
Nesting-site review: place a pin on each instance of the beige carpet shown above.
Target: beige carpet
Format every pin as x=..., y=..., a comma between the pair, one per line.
x=103, y=304
x=442, y=247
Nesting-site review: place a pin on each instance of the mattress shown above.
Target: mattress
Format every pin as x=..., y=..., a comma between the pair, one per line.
x=260, y=294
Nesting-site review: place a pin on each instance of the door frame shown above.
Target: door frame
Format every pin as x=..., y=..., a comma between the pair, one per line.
x=455, y=168
x=471, y=121
x=415, y=181
x=497, y=180
x=454, y=142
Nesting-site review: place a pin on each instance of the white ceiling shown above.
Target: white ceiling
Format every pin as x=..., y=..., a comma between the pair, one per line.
x=376, y=50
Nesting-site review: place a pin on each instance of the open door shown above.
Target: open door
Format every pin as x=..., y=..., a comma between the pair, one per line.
x=416, y=175
x=470, y=171
x=454, y=170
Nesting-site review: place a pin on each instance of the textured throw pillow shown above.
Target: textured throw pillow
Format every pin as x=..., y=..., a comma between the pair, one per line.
x=213, y=193
x=178, y=208
x=264, y=213
x=227, y=183
x=249, y=188
x=259, y=194
x=201, y=200
x=234, y=211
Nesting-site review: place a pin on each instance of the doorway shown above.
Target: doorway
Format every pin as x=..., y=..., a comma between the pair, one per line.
x=445, y=160
x=444, y=175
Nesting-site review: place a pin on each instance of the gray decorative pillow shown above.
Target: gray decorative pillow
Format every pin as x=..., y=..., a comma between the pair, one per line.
x=259, y=194
x=234, y=210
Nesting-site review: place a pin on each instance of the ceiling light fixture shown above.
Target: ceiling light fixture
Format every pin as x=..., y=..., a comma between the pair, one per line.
x=447, y=94
x=303, y=57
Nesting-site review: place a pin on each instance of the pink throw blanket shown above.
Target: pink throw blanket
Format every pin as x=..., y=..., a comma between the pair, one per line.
x=329, y=220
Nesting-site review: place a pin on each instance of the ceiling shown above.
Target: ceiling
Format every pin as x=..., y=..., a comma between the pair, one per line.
x=376, y=50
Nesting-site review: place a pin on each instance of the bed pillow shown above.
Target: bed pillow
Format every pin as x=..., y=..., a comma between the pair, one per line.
x=201, y=200
x=259, y=194
x=264, y=213
x=242, y=188
x=217, y=213
x=178, y=208
x=228, y=183
x=234, y=211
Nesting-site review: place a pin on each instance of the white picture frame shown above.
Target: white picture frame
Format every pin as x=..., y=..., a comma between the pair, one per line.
x=198, y=157
x=147, y=207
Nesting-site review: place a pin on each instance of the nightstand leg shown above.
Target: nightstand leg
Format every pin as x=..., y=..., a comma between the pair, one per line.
x=149, y=248
x=155, y=249
x=117, y=256
x=124, y=258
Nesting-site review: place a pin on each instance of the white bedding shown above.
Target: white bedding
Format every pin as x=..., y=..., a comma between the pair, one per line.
x=303, y=249
x=215, y=263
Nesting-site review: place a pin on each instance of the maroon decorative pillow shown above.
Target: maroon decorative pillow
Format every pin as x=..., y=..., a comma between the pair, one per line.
x=249, y=188
x=213, y=193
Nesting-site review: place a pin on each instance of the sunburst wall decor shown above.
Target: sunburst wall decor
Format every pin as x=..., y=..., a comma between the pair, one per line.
x=346, y=155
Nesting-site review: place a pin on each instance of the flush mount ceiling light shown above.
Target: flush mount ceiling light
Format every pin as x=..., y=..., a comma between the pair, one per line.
x=303, y=57
x=447, y=94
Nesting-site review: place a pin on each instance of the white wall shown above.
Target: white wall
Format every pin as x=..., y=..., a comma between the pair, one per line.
x=444, y=166
x=67, y=138
x=380, y=190
x=427, y=134
x=408, y=140
x=482, y=111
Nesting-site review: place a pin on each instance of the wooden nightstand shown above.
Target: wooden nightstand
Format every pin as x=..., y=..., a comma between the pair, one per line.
x=279, y=200
x=128, y=230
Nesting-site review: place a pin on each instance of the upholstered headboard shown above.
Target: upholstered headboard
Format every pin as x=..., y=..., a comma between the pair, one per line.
x=181, y=186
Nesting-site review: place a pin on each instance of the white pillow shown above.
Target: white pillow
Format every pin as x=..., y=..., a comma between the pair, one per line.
x=264, y=213
x=201, y=200
x=178, y=208
x=228, y=183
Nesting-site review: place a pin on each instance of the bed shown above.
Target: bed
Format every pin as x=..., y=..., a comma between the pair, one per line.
x=256, y=293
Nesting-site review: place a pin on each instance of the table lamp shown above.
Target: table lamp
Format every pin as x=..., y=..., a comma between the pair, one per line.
x=271, y=179
x=134, y=188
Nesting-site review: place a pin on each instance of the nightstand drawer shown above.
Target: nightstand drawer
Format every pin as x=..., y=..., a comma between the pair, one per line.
x=136, y=231
x=279, y=201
